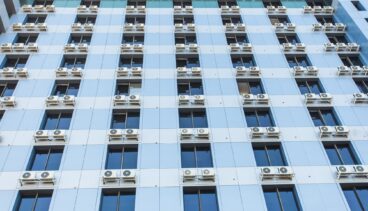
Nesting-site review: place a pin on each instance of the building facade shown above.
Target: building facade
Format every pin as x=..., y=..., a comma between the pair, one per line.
x=170, y=105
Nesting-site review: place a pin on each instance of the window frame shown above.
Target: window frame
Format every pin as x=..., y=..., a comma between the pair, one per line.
x=116, y=192
x=18, y=61
x=133, y=61
x=123, y=149
x=354, y=187
x=195, y=148
x=297, y=60
x=243, y=60
x=192, y=117
x=308, y=83
x=59, y=113
x=126, y=114
x=361, y=84
x=78, y=62
x=321, y=117
x=255, y=111
x=27, y=38
x=278, y=189
x=30, y=193
x=337, y=146
x=50, y=150
x=197, y=191
x=266, y=147
x=4, y=87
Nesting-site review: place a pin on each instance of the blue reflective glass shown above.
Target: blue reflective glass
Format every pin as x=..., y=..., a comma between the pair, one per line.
x=26, y=203
x=303, y=88
x=264, y=119
x=272, y=201
x=8, y=90
x=316, y=118
x=118, y=121
x=43, y=203
x=333, y=156
x=275, y=156
x=188, y=158
x=196, y=89
x=73, y=89
x=260, y=155
x=303, y=62
x=363, y=196
x=127, y=202
x=132, y=120
x=114, y=159
x=191, y=202
x=130, y=158
x=347, y=155
x=329, y=118
x=362, y=86
x=64, y=121
x=54, y=160
x=39, y=162
x=352, y=200
x=288, y=200
x=199, y=120
x=51, y=122
x=292, y=62
x=208, y=201
x=255, y=88
x=109, y=202
x=185, y=120
x=251, y=119
x=204, y=158
x=315, y=87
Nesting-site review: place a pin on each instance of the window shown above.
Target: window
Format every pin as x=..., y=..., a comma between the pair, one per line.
x=135, y=20
x=82, y=38
x=187, y=62
x=341, y=154
x=35, y=19
x=15, y=62
x=356, y=196
x=200, y=199
x=83, y=19
x=43, y=2
x=130, y=61
x=358, y=5
x=7, y=88
x=33, y=200
x=274, y=3
x=298, y=60
x=196, y=156
x=318, y=3
x=325, y=19
x=185, y=39
x=246, y=61
x=310, y=86
x=323, y=117
x=182, y=3
x=288, y=38
x=362, y=85
x=45, y=159
x=183, y=20
x=351, y=60
x=281, y=198
x=269, y=155
x=279, y=19
x=90, y=2
x=56, y=120
x=234, y=38
x=136, y=3
x=192, y=119
x=259, y=118
x=118, y=200
x=133, y=39
x=190, y=88
x=250, y=87
x=127, y=88
x=66, y=88
x=74, y=62
x=122, y=157
x=125, y=120
x=26, y=38
x=232, y=19
x=337, y=39
x=229, y=3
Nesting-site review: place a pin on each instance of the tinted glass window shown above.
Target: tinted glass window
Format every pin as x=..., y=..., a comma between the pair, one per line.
x=196, y=157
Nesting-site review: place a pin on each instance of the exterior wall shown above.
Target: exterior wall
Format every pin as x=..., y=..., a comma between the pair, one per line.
x=159, y=182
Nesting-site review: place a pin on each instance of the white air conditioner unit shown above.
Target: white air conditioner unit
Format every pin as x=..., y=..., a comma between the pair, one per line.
x=247, y=47
x=29, y=26
x=360, y=98
x=254, y=70
x=312, y=70
x=39, y=8
x=307, y=9
x=52, y=100
x=17, y=27
x=329, y=26
x=22, y=72
x=229, y=26
x=139, y=27
x=8, y=101
x=6, y=47
x=183, y=99
x=279, y=26
x=136, y=71
x=198, y=99
x=235, y=9
x=83, y=47
x=281, y=9
x=28, y=177
x=328, y=9
x=76, y=71
x=257, y=132
x=341, y=46
x=234, y=47
x=59, y=135
x=41, y=135
x=93, y=8
x=122, y=71
x=263, y=98
x=340, y=27
x=273, y=131
x=62, y=71
x=134, y=99
x=299, y=70
x=326, y=131
x=181, y=70
x=47, y=177
x=248, y=98
x=76, y=27
x=288, y=46
x=361, y=169
x=141, y=8
x=27, y=8
x=69, y=100
x=180, y=47
x=343, y=70
x=208, y=174
x=70, y=48
x=191, y=26
x=317, y=9
x=8, y=71
x=225, y=8
x=50, y=8
x=19, y=47
x=119, y=99
x=138, y=47
x=310, y=98
x=131, y=133
x=88, y=27
x=300, y=46
x=186, y=133
x=317, y=27
x=271, y=9
x=42, y=26
x=268, y=171
x=196, y=71
x=189, y=174
x=330, y=47
x=203, y=133
x=290, y=26
x=193, y=47
x=240, y=70
x=178, y=26
x=240, y=27
x=325, y=97
x=128, y=175
x=110, y=176
x=115, y=134
x=32, y=47
x=342, y=131
x=354, y=47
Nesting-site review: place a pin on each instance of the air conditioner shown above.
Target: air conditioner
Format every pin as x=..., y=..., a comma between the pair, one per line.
x=247, y=47
x=178, y=26
x=76, y=27
x=8, y=101
x=17, y=27
x=28, y=177
x=281, y=9
x=33, y=47
x=88, y=27
x=361, y=169
x=27, y=8
x=353, y=47
x=299, y=70
x=300, y=46
x=257, y=132
x=341, y=46
x=110, y=176
x=342, y=131
x=62, y=71
x=225, y=8
x=134, y=99
x=180, y=47
x=52, y=100
x=263, y=98
x=193, y=47
x=119, y=99
x=186, y=133
x=128, y=175
x=240, y=70
x=273, y=131
x=181, y=70
x=50, y=8
x=22, y=72
x=317, y=27
x=6, y=47
x=69, y=48
x=130, y=8
x=203, y=133
x=330, y=47
x=284, y=170
x=141, y=8
x=47, y=177
x=343, y=70
x=287, y=46
x=189, y=9
x=208, y=174
x=139, y=27
x=41, y=135
x=254, y=70
x=59, y=135
x=76, y=71
x=325, y=97
x=310, y=97
x=307, y=9
x=183, y=99
x=189, y=174
x=196, y=71
x=356, y=69
x=234, y=47
x=39, y=8
x=329, y=26
x=82, y=9
x=198, y=99
x=312, y=70
x=229, y=26
x=360, y=98
x=177, y=8
x=82, y=47
x=240, y=27
x=18, y=47
x=267, y=171
x=317, y=9
x=136, y=71
x=138, y=47
x=235, y=9
x=248, y=98
x=122, y=71
x=30, y=26
x=42, y=26
x=191, y=26
x=344, y=171
x=131, y=133
x=271, y=9
x=69, y=100
x=290, y=26
x=93, y=8
x=279, y=26
x=8, y=71
x=326, y=130
x=115, y=134
x=328, y=9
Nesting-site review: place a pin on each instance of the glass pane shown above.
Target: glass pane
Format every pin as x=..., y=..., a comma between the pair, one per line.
x=114, y=159
x=73, y=89
x=26, y=203
x=191, y=202
x=352, y=200
x=208, y=201
x=130, y=158
x=316, y=118
x=188, y=158
x=60, y=90
x=272, y=201
x=315, y=87
x=244, y=88
x=288, y=200
x=9, y=90
x=133, y=120
x=275, y=156
x=196, y=89
x=64, y=121
x=43, y=203
x=122, y=89
x=363, y=196
x=329, y=118
x=255, y=88
x=333, y=156
x=303, y=88
x=109, y=202
x=261, y=157
x=135, y=88
x=118, y=121
x=303, y=62
x=185, y=120
x=264, y=119
x=183, y=89
x=54, y=160
x=347, y=155
x=292, y=62
x=361, y=86
x=51, y=122
x=251, y=119
x=204, y=158
x=127, y=202
x=199, y=120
